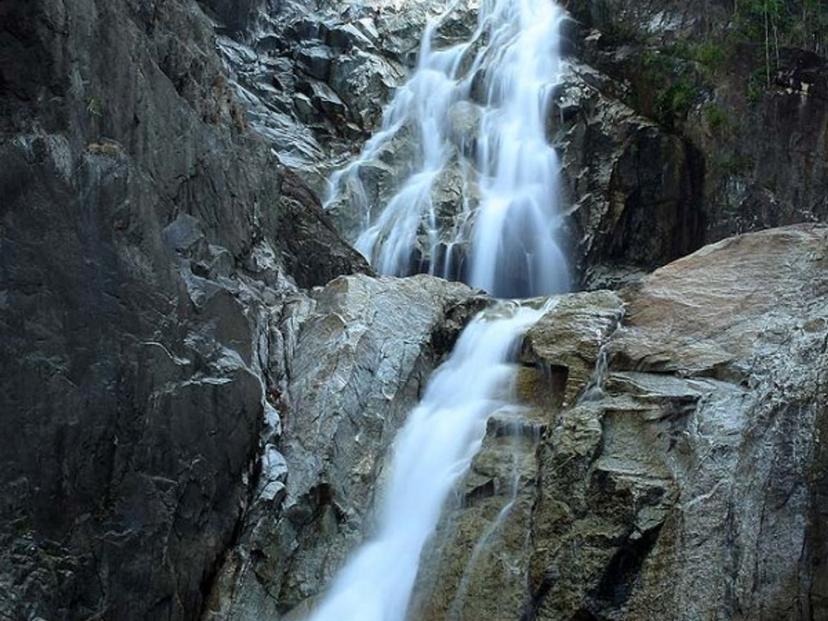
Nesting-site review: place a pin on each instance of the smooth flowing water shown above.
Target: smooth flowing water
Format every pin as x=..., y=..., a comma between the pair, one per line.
x=432, y=451
x=500, y=236
x=503, y=235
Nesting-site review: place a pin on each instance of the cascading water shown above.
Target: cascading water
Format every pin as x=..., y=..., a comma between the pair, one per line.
x=515, y=224
x=432, y=451
x=504, y=238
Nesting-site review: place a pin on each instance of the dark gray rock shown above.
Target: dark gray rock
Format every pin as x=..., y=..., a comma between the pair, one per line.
x=345, y=57
x=144, y=234
x=635, y=188
x=240, y=16
x=752, y=124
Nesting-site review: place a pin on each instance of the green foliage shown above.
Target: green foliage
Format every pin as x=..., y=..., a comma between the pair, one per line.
x=716, y=117
x=753, y=17
x=670, y=86
x=774, y=24
x=619, y=32
x=676, y=101
x=710, y=54
x=657, y=61
x=673, y=78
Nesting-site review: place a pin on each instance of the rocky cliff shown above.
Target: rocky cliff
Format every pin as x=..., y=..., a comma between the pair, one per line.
x=690, y=461
x=147, y=237
x=200, y=379
x=681, y=123
x=677, y=126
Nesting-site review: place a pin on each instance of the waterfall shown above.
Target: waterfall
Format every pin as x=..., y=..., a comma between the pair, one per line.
x=503, y=237
x=431, y=452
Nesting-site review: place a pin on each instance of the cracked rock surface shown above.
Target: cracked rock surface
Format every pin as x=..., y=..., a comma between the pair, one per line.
x=354, y=358
x=691, y=461
x=145, y=236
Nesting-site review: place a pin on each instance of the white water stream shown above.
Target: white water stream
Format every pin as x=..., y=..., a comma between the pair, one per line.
x=432, y=451
x=505, y=235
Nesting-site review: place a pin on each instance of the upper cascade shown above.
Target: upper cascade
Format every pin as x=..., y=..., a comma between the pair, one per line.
x=475, y=112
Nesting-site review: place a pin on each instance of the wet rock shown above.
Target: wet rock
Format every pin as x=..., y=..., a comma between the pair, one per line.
x=144, y=246
x=324, y=99
x=345, y=37
x=316, y=61
x=692, y=69
x=663, y=21
x=693, y=459
x=477, y=566
x=730, y=420
x=635, y=189
x=356, y=356
x=481, y=539
x=464, y=122
x=206, y=427
x=377, y=181
x=567, y=342
x=238, y=15
x=365, y=81
x=350, y=58
x=452, y=195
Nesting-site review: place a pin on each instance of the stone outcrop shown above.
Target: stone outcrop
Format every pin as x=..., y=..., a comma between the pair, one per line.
x=477, y=566
x=691, y=462
x=198, y=395
x=703, y=472
x=635, y=190
x=353, y=358
x=145, y=237
x=315, y=79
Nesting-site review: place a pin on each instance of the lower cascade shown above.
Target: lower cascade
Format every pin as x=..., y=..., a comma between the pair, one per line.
x=502, y=236
x=432, y=451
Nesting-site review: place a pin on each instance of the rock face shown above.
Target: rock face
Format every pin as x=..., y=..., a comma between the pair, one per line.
x=477, y=566
x=354, y=358
x=677, y=129
x=145, y=238
x=198, y=394
x=315, y=78
x=656, y=122
x=668, y=138
x=635, y=189
x=704, y=469
x=693, y=462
